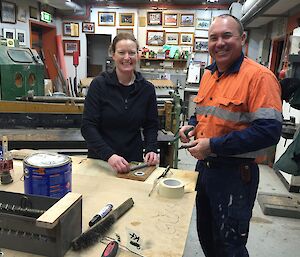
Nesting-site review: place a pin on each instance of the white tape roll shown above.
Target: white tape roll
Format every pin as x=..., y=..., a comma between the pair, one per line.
x=171, y=188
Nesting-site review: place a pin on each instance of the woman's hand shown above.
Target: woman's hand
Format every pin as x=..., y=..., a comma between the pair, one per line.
x=151, y=158
x=119, y=164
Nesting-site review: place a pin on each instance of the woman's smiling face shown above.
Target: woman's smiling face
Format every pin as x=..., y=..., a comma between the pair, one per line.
x=125, y=55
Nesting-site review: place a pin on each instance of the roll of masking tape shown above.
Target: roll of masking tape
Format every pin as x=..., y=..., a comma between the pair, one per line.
x=171, y=188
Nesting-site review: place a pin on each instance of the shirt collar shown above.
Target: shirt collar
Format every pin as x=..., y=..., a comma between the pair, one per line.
x=234, y=68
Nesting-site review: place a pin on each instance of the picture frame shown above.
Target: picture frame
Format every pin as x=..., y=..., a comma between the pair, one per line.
x=155, y=37
x=74, y=29
x=88, y=27
x=106, y=18
x=9, y=33
x=71, y=29
x=21, y=14
x=8, y=12
x=170, y=20
x=71, y=46
x=187, y=20
x=124, y=30
x=202, y=24
x=154, y=18
x=186, y=38
x=172, y=38
x=201, y=44
x=126, y=19
x=21, y=36
x=33, y=12
x=66, y=28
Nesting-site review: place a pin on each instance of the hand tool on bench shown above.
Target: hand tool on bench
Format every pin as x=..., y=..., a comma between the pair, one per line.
x=158, y=178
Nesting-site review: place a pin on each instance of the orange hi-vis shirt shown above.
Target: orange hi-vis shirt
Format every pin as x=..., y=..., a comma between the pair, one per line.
x=232, y=101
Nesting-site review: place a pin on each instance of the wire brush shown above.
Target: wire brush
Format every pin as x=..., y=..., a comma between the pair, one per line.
x=95, y=233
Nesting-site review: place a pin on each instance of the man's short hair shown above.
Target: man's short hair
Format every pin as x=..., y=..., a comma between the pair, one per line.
x=241, y=27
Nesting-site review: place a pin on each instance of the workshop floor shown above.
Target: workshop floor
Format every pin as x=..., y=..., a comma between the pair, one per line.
x=269, y=235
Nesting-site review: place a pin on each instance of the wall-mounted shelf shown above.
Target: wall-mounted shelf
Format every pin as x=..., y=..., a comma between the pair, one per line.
x=158, y=63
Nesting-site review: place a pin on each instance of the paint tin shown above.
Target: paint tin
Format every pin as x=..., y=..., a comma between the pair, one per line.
x=48, y=174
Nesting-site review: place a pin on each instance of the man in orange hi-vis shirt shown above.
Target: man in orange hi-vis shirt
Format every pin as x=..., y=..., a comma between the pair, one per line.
x=238, y=114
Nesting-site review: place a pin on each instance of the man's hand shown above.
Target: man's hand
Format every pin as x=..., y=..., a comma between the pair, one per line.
x=183, y=137
x=151, y=158
x=202, y=148
x=119, y=164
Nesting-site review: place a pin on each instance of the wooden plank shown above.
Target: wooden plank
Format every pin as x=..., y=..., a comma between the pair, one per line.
x=162, y=83
x=34, y=107
x=51, y=217
x=131, y=175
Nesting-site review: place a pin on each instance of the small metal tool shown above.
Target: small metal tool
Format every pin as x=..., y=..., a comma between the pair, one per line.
x=185, y=146
x=158, y=178
x=178, y=136
x=138, y=167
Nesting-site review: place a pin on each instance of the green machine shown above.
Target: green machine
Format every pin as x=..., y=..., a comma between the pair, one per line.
x=21, y=71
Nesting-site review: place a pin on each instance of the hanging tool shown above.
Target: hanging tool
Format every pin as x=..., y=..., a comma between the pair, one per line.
x=158, y=178
x=75, y=63
x=111, y=249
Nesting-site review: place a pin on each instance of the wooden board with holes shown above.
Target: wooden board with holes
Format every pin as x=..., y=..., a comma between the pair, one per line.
x=133, y=175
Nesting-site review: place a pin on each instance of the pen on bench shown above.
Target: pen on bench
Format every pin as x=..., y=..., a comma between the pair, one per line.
x=101, y=214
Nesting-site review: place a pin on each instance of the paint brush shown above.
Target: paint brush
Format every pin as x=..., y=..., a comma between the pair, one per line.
x=95, y=233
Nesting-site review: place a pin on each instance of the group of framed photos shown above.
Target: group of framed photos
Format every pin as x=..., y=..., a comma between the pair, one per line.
x=170, y=20
x=109, y=19
x=175, y=20
x=18, y=34
x=161, y=37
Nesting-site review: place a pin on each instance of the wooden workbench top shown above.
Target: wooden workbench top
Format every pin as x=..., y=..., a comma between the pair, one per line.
x=163, y=223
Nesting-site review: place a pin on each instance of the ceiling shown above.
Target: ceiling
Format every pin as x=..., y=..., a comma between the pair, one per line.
x=261, y=12
x=64, y=5
x=271, y=11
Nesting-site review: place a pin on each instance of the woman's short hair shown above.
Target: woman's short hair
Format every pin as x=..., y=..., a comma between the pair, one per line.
x=122, y=36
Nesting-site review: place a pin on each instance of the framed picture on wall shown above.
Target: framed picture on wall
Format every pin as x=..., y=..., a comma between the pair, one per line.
x=8, y=12
x=21, y=36
x=155, y=37
x=121, y=30
x=187, y=20
x=202, y=24
x=154, y=18
x=66, y=28
x=170, y=20
x=126, y=19
x=9, y=33
x=33, y=12
x=187, y=38
x=172, y=38
x=21, y=14
x=74, y=29
x=71, y=46
x=106, y=18
x=88, y=27
x=201, y=44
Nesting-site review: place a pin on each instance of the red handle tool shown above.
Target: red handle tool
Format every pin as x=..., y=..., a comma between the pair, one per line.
x=111, y=249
